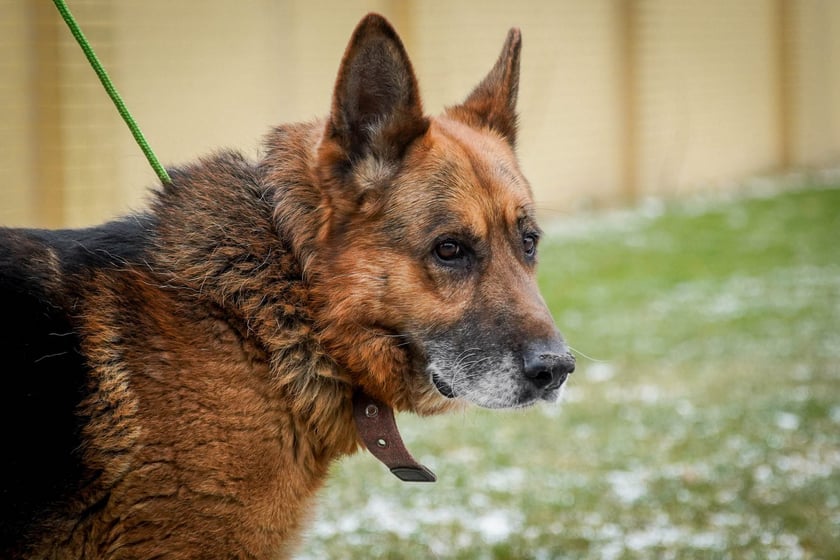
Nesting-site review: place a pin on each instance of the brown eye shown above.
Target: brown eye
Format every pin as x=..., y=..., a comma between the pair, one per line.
x=448, y=250
x=529, y=243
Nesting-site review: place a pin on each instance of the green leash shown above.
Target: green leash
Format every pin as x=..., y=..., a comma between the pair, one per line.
x=112, y=91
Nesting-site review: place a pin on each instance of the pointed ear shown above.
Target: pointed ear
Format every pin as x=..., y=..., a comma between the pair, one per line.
x=493, y=102
x=376, y=105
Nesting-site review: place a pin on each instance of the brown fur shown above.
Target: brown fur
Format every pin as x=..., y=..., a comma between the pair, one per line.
x=222, y=333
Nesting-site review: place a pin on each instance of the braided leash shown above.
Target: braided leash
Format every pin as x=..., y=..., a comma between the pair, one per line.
x=112, y=91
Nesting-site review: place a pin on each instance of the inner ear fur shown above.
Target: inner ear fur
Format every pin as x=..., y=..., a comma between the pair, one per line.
x=376, y=108
x=492, y=103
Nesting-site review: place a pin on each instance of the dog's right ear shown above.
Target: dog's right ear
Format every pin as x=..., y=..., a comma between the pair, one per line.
x=376, y=108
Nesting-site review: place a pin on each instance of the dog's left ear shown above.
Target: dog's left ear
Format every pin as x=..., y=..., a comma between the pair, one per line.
x=493, y=102
x=376, y=107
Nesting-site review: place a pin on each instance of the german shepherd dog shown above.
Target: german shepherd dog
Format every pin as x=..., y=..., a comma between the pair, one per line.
x=178, y=382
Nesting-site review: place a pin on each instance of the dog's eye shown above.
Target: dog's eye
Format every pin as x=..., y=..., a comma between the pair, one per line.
x=448, y=250
x=529, y=243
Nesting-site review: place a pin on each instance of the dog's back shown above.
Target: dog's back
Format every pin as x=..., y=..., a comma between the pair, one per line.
x=42, y=276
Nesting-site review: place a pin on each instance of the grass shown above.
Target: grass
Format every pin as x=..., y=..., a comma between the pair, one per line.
x=703, y=420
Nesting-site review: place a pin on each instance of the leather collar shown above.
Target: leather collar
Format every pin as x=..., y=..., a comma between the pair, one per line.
x=377, y=427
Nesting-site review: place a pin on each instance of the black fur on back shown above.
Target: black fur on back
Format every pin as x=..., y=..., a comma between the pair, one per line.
x=43, y=370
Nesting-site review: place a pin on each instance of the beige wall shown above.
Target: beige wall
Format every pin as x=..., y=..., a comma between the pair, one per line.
x=618, y=98
x=15, y=131
x=708, y=101
x=815, y=80
x=198, y=76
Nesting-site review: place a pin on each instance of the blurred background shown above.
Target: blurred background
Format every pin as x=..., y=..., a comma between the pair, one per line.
x=684, y=155
x=618, y=100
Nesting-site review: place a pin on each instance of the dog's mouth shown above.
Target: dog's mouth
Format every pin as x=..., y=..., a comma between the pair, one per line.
x=443, y=388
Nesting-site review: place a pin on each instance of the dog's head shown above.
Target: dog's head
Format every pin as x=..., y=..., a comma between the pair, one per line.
x=425, y=255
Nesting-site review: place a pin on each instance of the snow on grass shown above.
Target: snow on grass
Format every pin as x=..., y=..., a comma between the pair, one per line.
x=383, y=514
x=630, y=220
x=785, y=290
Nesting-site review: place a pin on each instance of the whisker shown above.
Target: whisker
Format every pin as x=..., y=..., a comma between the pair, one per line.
x=587, y=356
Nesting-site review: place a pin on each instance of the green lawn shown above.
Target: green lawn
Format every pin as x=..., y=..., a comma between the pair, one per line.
x=703, y=420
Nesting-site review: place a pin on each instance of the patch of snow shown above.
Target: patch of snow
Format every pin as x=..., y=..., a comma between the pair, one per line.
x=599, y=372
x=505, y=480
x=496, y=526
x=787, y=421
x=684, y=408
x=762, y=474
x=628, y=486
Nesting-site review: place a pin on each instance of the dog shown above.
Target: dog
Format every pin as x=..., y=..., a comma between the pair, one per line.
x=179, y=381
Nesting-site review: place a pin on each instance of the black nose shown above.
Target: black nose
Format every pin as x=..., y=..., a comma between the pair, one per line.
x=547, y=370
